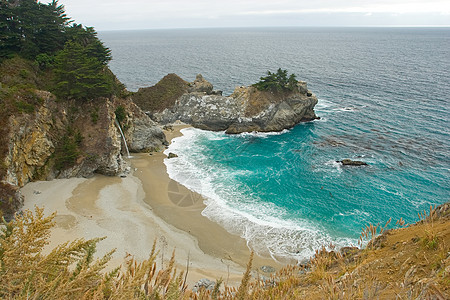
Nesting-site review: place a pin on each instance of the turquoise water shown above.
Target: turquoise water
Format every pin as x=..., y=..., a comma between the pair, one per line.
x=383, y=98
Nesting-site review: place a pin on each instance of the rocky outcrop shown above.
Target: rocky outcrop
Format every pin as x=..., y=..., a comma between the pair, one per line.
x=162, y=95
x=247, y=109
x=32, y=140
x=37, y=140
x=142, y=134
x=200, y=85
x=349, y=162
x=63, y=139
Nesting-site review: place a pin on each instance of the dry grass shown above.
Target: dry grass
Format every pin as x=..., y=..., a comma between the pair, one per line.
x=162, y=95
x=401, y=266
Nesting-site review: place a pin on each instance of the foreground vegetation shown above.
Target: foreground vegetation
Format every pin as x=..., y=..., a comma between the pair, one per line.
x=406, y=263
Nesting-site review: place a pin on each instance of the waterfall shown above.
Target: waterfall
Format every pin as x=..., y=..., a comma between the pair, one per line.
x=123, y=137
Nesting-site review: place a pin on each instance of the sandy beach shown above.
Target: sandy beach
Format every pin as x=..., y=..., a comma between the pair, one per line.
x=134, y=211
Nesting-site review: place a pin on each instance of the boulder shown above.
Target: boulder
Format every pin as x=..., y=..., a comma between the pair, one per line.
x=141, y=132
x=200, y=85
x=204, y=284
x=172, y=155
x=349, y=162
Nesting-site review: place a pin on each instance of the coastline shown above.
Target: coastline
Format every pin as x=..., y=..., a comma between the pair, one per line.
x=135, y=211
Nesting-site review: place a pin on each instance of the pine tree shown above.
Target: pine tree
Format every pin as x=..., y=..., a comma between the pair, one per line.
x=50, y=32
x=30, y=28
x=9, y=35
x=79, y=75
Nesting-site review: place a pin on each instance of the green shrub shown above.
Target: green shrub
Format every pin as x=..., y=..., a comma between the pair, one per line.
x=121, y=114
x=24, y=73
x=94, y=116
x=68, y=149
x=44, y=61
x=24, y=107
x=278, y=81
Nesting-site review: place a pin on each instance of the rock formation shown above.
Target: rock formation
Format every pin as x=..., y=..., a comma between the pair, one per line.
x=349, y=162
x=142, y=134
x=200, y=85
x=63, y=139
x=247, y=109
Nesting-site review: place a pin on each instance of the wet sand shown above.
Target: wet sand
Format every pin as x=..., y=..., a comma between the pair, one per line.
x=135, y=211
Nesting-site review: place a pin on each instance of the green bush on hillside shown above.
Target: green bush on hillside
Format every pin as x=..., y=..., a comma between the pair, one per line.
x=68, y=149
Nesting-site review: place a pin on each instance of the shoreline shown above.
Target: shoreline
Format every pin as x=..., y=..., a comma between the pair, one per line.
x=135, y=211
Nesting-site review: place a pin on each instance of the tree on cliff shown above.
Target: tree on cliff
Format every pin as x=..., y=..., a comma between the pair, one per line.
x=29, y=28
x=9, y=36
x=81, y=67
x=278, y=81
x=43, y=33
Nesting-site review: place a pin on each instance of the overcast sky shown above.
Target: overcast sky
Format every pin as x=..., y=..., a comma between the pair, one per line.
x=150, y=14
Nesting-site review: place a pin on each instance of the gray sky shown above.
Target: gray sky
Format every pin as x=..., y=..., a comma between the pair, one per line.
x=142, y=14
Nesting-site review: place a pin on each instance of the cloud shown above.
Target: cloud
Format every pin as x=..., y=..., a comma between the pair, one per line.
x=373, y=7
x=135, y=14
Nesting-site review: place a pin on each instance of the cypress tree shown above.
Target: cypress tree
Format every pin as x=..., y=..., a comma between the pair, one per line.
x=79, y=75
x=9, y=34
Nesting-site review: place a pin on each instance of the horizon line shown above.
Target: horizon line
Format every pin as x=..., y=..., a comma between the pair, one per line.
x=301, y=26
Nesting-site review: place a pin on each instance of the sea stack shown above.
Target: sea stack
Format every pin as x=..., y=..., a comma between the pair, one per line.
x=247, y=109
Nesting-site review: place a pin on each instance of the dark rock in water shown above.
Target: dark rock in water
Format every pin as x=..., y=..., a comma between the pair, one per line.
x=172, y=155
x=204, y=284
x=268, y=269
x=349, y=162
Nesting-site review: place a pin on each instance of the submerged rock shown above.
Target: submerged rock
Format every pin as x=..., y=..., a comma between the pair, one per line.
x=349, y=162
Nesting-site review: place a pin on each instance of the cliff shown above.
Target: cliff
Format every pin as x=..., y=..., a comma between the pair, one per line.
x=43, y=138
x=247, y=109
x=36, y=140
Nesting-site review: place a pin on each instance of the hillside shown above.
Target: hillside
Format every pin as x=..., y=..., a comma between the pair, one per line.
x=406, y=263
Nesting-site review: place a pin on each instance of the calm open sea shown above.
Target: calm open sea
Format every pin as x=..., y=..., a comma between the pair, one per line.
x=384, y=98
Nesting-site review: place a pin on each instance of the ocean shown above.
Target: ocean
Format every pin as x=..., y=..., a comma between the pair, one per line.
x=384, y=98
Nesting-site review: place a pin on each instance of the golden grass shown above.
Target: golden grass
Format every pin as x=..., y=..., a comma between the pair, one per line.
x=401, y=266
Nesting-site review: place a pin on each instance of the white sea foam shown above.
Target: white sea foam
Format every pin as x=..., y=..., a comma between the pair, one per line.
x=333, y=166
x=263, y=134
x=346, y=109
x=323, y=105
x=265, y=226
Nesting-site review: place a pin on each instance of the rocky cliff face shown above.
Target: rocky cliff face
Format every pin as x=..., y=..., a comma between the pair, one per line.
x=142, y=134
x=246, y=110
x=72, y=139
x=34, y=139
